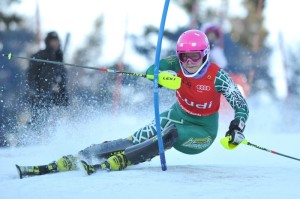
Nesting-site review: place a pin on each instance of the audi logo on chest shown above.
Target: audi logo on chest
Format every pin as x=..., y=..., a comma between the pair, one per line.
x=201, y=88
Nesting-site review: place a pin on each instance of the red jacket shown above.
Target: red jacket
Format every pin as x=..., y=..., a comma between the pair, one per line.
x=199, y=96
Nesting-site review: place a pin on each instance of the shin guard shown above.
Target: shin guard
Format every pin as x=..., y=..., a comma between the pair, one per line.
x=104, y=150
x=149, y=148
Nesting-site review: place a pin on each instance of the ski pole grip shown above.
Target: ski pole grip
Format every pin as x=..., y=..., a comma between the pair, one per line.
x=225, y=142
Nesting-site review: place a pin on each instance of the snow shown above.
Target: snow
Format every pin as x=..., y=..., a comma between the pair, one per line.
x=245, y=172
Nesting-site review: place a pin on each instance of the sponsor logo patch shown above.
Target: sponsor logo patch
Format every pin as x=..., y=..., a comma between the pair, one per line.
x=198, y=143
x=201, y=88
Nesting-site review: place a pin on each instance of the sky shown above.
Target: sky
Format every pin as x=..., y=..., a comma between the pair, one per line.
x=283, y=17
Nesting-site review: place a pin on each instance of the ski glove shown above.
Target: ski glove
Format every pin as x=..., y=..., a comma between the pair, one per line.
x=235, y=131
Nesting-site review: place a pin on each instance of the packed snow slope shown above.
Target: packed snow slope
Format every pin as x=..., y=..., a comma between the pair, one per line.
x=217, y=173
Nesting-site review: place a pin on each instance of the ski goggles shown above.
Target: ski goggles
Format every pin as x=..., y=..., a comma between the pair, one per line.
x=193, y=57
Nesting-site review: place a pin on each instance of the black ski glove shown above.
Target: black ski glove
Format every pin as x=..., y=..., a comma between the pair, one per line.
x=236, y=129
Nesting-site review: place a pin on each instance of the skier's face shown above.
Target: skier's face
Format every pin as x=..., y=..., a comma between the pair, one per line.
x=191, y=61
x=191, y=67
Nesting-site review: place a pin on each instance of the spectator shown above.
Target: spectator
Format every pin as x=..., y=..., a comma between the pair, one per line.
x=214, y=35
x=47, y=82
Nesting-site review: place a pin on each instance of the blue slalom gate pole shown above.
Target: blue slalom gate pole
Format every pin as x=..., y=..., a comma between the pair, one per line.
x=156, y=98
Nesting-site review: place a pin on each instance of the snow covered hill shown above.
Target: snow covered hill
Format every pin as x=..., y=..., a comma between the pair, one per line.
x=245, y=172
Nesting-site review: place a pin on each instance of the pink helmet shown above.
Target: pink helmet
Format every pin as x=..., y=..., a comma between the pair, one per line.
x=193, y=41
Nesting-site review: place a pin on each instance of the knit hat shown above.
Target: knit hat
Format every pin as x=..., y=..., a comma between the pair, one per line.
x=51, y=35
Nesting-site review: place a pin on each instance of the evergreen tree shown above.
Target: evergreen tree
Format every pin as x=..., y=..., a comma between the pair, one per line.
x=89, y=84
x=252, y=57
x=7, y=20
x=14, y=38
x=292, y=66
x=250, y=31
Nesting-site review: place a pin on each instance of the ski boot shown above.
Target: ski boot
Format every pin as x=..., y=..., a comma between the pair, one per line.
x=66, y=163
x=115, y=163
x=26, y=171
x=135, y=154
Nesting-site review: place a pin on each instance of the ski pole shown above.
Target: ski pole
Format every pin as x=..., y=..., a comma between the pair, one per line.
x=268, y=150
x=165, y=79
x=225, y=143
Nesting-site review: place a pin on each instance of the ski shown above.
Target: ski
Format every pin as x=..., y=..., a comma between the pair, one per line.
x=90, y=169
x=28, y=171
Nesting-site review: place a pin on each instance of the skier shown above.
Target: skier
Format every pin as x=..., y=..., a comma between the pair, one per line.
x=46, y=82
x=190, y=125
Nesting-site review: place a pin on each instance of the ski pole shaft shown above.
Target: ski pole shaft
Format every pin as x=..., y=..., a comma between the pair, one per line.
x=226, y=144
x=268, y=150
x=10, y=56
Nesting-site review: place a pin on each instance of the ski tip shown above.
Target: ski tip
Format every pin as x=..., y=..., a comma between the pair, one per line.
x=83, y=162
x=19, y=171
x=89, y=169
x=85, y=167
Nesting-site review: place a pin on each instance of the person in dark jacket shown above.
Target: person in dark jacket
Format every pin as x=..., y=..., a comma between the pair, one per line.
x=47, y=82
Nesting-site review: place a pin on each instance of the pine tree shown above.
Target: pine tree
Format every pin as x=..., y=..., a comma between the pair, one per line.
x=8, y=19
x=14, y=38
x=88, y=84
x=250, y=31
